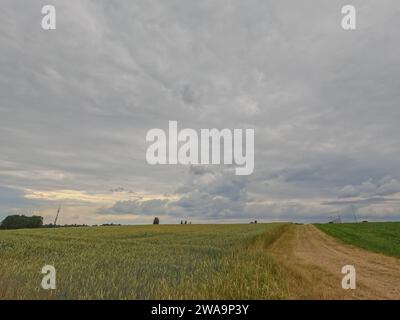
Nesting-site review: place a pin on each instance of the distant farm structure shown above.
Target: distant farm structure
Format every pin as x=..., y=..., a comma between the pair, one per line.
x=349, y=213
x=335, y=220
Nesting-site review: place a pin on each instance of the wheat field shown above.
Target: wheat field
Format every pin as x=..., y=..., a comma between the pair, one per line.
x=143, y=262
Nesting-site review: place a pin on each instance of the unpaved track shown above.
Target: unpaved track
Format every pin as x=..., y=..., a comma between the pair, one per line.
x=313, y=262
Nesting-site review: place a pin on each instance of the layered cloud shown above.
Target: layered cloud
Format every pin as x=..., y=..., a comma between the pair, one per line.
x=384, y=187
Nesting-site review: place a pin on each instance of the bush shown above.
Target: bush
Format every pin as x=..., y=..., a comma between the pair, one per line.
x=156, y=220
x=21, y=221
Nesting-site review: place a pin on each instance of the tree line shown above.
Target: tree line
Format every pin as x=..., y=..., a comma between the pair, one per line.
x=21, y=221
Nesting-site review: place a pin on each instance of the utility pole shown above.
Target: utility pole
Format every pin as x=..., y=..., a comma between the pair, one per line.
x=58, y=212
x=354, y=213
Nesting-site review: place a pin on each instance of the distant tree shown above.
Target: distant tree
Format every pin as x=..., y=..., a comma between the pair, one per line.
x=181, y=221
x=156, y=220
x=21, y=221
x=255, y=221
x=185, y=221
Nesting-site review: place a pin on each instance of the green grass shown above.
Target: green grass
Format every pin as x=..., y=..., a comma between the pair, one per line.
x=143, y=262
x=383, y=237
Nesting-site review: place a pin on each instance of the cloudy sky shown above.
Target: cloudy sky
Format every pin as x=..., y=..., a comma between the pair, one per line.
x=76, y=104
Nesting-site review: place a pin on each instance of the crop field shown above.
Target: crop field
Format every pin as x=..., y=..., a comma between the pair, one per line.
x=238, y=261
x=383, y=237
x=143, y=262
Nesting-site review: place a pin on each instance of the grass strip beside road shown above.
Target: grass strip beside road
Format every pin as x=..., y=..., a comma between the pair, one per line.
x=380, y=237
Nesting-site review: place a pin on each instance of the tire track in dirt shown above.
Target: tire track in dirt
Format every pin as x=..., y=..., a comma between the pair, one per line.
x=312, y=262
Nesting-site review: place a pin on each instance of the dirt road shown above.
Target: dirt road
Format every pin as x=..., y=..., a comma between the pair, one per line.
x=312, y=261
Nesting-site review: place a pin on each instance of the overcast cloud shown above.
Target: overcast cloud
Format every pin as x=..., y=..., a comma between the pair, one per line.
x=76, y=104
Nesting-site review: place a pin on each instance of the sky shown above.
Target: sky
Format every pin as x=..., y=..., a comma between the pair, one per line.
x=76, y=104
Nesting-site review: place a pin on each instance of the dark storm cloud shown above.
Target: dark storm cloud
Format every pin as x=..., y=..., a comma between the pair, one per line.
x=13, y=201
x=363, y=202
x=10, y=197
